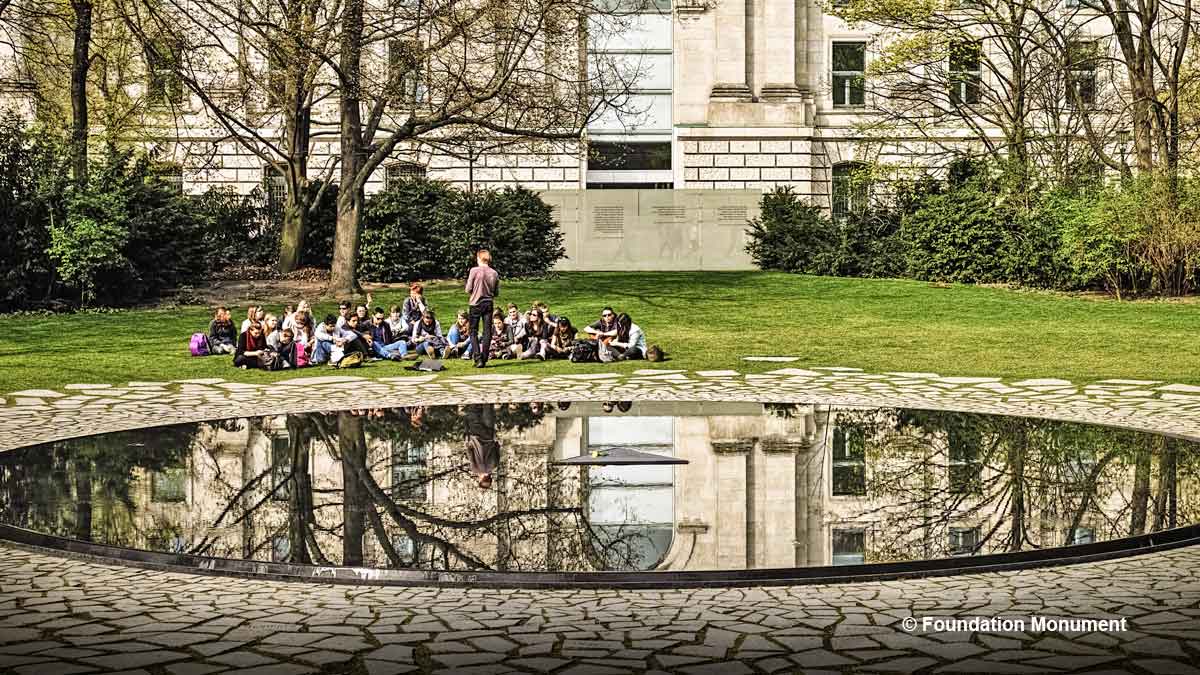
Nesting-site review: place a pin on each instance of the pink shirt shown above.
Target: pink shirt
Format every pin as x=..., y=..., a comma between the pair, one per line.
x=483, y=283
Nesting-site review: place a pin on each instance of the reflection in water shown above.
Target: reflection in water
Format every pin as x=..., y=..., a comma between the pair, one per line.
x=474, y=487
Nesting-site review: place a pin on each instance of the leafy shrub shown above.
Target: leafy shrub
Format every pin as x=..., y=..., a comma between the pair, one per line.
x=322, y=225
x=790, y=235
x=513, y=223
x=423, y=229
x=90, y=242
x=33, y=177
x=400, y=240
x=229, y=221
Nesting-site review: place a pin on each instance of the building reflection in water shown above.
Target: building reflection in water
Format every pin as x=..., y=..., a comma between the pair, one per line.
x=777, y=485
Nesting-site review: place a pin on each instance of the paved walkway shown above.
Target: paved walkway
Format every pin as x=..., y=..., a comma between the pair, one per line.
x=80, y=409
x=66, y=616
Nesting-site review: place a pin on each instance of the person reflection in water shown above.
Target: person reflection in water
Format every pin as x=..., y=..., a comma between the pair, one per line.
x=482, y=447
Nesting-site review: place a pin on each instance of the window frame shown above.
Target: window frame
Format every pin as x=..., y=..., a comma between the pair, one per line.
x=848, y=90
x=965, y=83
x=403, y=171
x=1082, y=71
x=847, y=558
x=852, y=460
x=164, y=86
x=958, y=548
x=854, y=198
x=411, y=88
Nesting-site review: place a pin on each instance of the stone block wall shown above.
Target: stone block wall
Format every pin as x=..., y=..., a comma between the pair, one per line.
x=753, y=164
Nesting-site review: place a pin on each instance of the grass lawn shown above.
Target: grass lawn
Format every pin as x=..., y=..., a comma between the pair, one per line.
x=704, y=321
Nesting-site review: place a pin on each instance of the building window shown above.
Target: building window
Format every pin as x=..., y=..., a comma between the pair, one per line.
x=609, y=156
x=404, y=71
x=849, y=462
x=281, y=548
x=170, y=176
x=281, y=468
x=164, y=86
x=849, y=546
x=1081, y=72
x=849, y=68
x=409, y=474
x=964, y=540
x=1083, y=535
x=849, y=189
x=965, y=72
x=168, y=485
x=965, y=467
x=394, y=174
x=275, y=189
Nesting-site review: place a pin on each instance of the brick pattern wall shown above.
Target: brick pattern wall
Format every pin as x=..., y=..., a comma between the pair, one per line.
x=748, y=164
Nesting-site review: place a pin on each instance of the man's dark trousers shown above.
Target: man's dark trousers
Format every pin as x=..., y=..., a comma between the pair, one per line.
x=476, y=313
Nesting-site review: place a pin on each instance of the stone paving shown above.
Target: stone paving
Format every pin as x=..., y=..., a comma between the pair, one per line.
x=66, y=616
x=59, y=615
x=80, y=409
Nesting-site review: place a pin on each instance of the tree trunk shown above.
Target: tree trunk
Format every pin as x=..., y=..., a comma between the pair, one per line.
x=342, y=278
x=352, y=444
x=83, y=500
x=296, y=206
x=80, y=63
x=300, y=505
x=1016, y=465
x=1140, y=500
x=295, y=226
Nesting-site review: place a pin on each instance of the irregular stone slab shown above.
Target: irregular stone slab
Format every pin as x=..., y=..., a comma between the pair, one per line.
x=1132, y=382
x=919, y=376
x=717, y=373
x=795, y=372
x=40, y=393
x=87, y=386
x=323, y=379
x=968, y=380
x=1187, y=388
x=838, y=369
x=1043, y=382
x=202, y=380
x=491, y=377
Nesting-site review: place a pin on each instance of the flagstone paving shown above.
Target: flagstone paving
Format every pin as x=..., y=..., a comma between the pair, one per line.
x=83, y=408
x=59, y=615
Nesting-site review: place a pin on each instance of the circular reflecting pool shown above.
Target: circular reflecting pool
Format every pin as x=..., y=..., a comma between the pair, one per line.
x=592, y=486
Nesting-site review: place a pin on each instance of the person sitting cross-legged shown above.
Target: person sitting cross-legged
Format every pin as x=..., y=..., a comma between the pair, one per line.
x=333, y=342
x=537, y=335
x=630, y=341
x=285, y=352
x=222, y=335
x=427, y=335
x=250, y=347
x=387, y=344
x=561, y=340
x=458, y=340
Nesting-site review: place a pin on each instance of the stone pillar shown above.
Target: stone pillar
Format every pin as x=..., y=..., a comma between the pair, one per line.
x=731, y=82
x=779, y=57
x=732, y=528
x=776, y=495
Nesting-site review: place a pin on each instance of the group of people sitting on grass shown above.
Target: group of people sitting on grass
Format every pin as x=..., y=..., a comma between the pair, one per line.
x=295, y=339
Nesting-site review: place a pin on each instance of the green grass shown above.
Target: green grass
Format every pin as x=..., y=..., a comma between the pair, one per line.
x=704, y=321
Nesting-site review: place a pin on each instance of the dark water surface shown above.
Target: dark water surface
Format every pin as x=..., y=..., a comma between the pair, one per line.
x=481, y=486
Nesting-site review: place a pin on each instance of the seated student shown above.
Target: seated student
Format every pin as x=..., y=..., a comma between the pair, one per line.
x=458, y=340
x=331, y=339
x=366, y=338
x=397, y=322
x=285, y=352
x=551, y=319
x=364, y=315
x=387, y=345
x=344, y=312
x=222, y=337
x=559, y=345
x=630, y=341
x=289, y=321
x=537, y=335
x=303, y=331
x=514, y=319
x=414, y=305
x=427, y=335
x=250, y=347
x=501, y=337
x=253, y=313
x=606, y=327
x=271, y=331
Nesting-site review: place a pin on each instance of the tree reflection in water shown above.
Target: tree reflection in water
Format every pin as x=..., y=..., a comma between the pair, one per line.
x=398, y=488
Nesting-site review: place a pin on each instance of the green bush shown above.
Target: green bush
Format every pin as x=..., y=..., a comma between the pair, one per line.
x=229, y=221
x=791, y=235
x=425, y=229
x=399, y=240
x=322, y=225
x=33, y=177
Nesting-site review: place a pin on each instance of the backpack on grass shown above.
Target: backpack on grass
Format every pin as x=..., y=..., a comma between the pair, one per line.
x=351, y=360
x=584, y=351
x=199, y=345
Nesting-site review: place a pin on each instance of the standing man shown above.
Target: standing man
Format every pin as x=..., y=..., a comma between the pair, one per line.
x=483, y=285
